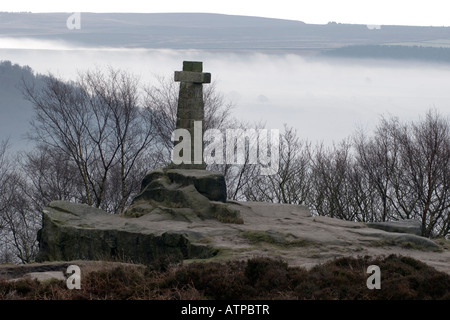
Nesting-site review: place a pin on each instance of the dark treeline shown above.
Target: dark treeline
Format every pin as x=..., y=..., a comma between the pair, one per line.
x=95, y=137
x=399, y=52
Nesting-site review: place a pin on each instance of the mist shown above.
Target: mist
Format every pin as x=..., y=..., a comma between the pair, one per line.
x=324, y=99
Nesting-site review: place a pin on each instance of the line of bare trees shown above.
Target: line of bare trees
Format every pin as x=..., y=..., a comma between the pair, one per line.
x=19, y=219
x=401, y=171
x=97, y=136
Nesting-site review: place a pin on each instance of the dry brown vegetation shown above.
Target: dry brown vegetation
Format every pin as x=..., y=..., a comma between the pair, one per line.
x=256, y=278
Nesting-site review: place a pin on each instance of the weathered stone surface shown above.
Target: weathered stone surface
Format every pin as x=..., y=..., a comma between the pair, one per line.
x=405, y=240
x=74, y=231
x=210, y=184
x=191, y=108
x=194, y=77
x=45, y=276
x=405, y=226
x=184, y=194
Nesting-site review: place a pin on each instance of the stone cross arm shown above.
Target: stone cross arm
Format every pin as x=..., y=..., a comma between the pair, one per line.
x=192, y=73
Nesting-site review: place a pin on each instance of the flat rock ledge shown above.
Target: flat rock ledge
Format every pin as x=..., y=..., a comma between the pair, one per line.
x=405, y=226
x=76, y=231
x=79, y=232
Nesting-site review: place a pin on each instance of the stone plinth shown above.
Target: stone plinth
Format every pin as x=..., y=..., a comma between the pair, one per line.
x=184, y=194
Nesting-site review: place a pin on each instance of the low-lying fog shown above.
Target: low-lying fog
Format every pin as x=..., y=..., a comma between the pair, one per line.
x=325, y=99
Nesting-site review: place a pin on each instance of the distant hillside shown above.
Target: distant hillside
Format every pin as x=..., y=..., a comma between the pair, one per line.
x=207, y=32
x=15, y=111
x=434, y=54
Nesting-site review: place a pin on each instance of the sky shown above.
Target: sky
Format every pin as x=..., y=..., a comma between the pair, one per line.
x=373, y=12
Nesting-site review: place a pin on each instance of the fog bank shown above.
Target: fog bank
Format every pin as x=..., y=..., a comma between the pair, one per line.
x=326, y=100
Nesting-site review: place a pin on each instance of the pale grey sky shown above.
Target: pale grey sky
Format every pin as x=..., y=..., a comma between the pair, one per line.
x=392, y=12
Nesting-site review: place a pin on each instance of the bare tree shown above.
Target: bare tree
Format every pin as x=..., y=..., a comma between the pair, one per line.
x=5, y=169
x=123, y=132
x=22, y=223
x=378, y=159
x=291, y=184
x=18, y=221
x=239, y=166
x=49, y=174
x=5, y=201
x=61, y=120
x=407, y=165
x=362, y=200
x=100, y=124
x=425, y=149
x=331, y=193
x=162, y=99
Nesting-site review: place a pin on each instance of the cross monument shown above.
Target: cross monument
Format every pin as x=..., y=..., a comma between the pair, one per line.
x=191, y=109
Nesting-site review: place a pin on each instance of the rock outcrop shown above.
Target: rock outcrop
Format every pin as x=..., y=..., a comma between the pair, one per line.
x=404, y=226
x=73, y=231
x=184, y=194
x=76, y=231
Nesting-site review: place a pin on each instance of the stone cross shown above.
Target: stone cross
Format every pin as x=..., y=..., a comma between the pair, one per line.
x=191, y=108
